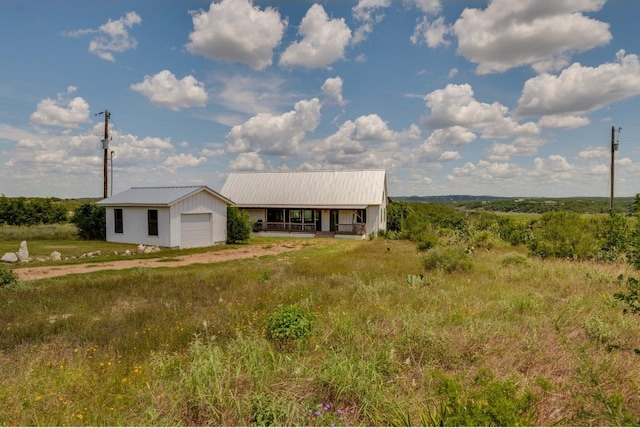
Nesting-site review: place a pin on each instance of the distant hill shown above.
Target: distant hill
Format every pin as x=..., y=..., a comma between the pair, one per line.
x=448, y=198
x=525, y=205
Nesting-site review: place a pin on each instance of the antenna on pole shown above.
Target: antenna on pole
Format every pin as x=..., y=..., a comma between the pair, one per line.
x=105, y=147
x=614, y=146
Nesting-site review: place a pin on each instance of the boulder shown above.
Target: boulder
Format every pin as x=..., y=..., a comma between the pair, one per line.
x=141, y=248
x=23, y=252
x=9, y=258
x=55, y=256
x=127, y=252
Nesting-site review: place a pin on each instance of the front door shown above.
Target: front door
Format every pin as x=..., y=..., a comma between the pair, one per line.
x=334, y=221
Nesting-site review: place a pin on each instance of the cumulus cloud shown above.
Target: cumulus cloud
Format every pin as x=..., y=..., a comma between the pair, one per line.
x=323, y=40
x=253, y=95
x=351, y=144
x=111, y=37
x=542, y=34
x=455, y=105
x=165, y=90
x=247, y=162
x=332, y=88
x=275, y=134
x=579, y=89
x=368, y=13
x=62, y=111
x=432, y=33
x=560, y=121
x=491, y=172
x=182, y=160
x=599, y=152
x=237, y=31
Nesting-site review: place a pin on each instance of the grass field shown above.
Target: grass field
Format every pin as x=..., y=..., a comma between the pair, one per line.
x=514, y=340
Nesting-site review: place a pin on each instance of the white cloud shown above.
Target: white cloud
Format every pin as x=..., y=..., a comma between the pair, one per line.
x=432, y=33
x=599, y=152
x=237, y=31
x=560, y=121
x=579, y=89
x=182, y=160
x=62, y=112
x=247, y=162
x=165, y=90
x=275, y=135
x=542, y=34
x=323, y=40
x=454, y=136
x=369, y=12
x=111, y=37
x=455, y=105
x=332, y=88
x=252, y=95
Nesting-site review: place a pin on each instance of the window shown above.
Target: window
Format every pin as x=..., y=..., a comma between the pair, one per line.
x=117, y=220
x=275, y=216
x=308, y=216
x=152, y=222
x=359, y=216
x=295, y=216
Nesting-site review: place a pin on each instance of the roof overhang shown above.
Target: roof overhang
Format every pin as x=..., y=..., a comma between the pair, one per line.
x=317, y=207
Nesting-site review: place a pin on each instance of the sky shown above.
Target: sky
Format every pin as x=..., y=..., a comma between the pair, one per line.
x=502, y=98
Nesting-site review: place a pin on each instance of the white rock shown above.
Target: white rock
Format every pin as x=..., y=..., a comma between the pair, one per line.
x=9, y=258
x=55, y=256
x=23, y=252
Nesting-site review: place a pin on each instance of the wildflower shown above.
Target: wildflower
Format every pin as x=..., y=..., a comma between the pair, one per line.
x=79, y=416
x=38, y=397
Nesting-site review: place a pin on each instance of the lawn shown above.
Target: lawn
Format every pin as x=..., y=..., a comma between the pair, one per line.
x=515, y=340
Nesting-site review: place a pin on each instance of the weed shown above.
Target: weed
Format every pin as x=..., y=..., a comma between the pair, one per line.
x=448, y=259
x=7, y=277
x=289, y=324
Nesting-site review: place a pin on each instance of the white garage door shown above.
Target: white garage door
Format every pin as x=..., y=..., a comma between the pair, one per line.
x=195, y=230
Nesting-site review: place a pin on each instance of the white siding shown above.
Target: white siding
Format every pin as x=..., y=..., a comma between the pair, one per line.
x=135, y=227
x=200, y=203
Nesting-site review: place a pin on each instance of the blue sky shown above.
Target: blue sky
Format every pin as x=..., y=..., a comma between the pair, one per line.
x=498, y=98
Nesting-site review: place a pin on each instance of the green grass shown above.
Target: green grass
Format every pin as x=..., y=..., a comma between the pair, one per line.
x=513, y=341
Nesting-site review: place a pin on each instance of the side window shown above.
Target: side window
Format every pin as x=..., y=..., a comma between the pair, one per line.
x=152, y=222
x=117, y=220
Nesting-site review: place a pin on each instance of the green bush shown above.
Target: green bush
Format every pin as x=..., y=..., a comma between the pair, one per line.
x=289, y=324
x=487, y=402
x=91, y=221
x=7, y=276
x=448, y=259
x=564, y=234
x=238, y=227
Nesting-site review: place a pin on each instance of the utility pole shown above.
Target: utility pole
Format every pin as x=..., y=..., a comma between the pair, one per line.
x=105, y=147
x=614, y=147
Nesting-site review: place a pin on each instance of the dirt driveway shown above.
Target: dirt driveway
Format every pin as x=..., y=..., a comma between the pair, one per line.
x=220, y=255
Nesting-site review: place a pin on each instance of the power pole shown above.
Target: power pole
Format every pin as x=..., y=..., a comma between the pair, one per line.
x=105, y=147
x=614, y=147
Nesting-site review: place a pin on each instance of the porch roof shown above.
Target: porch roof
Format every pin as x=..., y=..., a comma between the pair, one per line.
x=307, y=189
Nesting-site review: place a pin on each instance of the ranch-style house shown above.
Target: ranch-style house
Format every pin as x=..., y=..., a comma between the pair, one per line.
x=342, y=204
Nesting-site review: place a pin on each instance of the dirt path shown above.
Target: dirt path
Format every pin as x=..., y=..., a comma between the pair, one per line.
x=244, y=252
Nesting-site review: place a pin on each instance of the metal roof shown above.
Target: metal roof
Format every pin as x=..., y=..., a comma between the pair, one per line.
x=319, y=189
x=156, y=196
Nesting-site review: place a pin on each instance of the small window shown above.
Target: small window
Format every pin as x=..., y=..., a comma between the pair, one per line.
x=152, y=222
x=117, y=220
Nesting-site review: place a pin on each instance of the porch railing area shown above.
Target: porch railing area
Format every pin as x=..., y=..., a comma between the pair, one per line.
x=344, y=228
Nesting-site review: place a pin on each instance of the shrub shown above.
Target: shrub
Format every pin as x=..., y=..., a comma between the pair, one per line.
x=91, y=221
x=448, y=259
x=289, y=324
x=7, y=276
x=238, y=227
x=632, y=298
x=564, y=234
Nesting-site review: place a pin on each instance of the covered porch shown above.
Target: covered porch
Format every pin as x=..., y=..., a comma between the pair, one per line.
x=316, y=221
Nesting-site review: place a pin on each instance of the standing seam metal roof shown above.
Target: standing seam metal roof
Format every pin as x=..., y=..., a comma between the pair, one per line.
x=157, y=196
x=326, y=189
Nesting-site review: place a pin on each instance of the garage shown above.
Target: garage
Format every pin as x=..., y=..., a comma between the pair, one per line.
x=196, y=230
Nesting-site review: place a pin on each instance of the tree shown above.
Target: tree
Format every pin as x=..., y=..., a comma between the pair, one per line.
x=91, y=221
x=238, y=227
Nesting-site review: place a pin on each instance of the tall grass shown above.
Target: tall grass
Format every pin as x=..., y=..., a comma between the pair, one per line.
x=514, y=341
